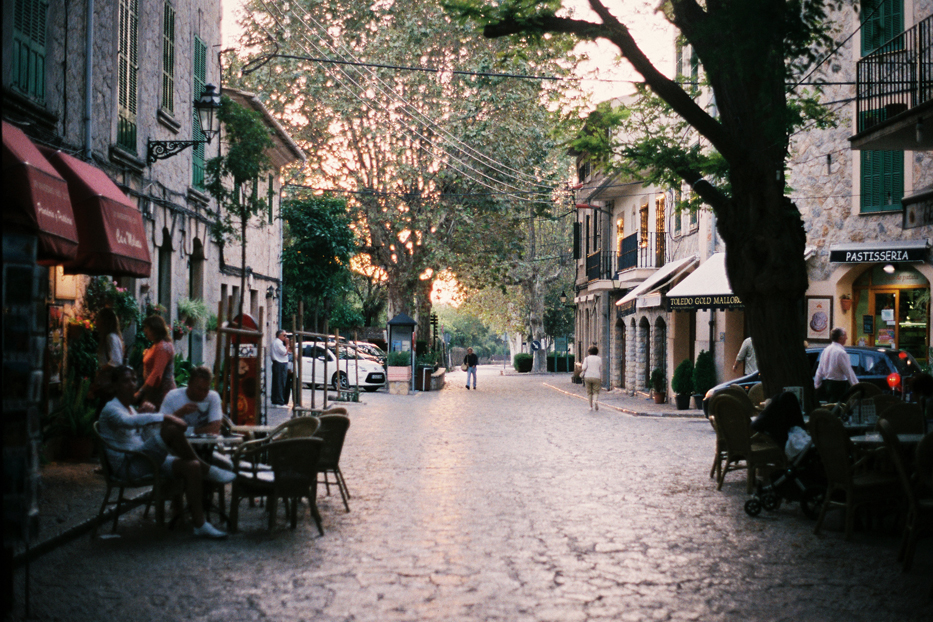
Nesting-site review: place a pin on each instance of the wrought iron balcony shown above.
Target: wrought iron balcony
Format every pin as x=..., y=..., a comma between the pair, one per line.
x=643, y=250
x=600, y=265
x=896, y=77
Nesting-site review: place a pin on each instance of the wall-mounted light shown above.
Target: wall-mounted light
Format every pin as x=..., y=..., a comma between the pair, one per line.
x=206, y=106
x=889, y=268
x=270, y=293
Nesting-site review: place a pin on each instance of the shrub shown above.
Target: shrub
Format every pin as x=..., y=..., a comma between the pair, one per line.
x=523, y=362
x=658, y=380
x=682, y=383
x=704, y=374
x=398, y=359
x=557, y=363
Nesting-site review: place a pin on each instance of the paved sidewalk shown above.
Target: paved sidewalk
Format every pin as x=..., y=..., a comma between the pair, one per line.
x=637, y=405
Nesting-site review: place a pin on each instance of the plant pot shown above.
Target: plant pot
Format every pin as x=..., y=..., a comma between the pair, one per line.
x=683, y=401
x=659, y=398
x=698, y=401
x=398, y=374
x=845, y=303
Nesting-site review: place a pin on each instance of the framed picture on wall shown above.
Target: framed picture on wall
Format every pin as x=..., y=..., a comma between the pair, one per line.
x=819, y=317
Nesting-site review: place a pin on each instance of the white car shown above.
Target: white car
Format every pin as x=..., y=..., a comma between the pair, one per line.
x=340, y=374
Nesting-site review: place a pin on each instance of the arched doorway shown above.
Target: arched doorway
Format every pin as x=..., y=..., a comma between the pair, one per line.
x=619, y=378
x=892, y=310
x=644, y=352
x=659, y=350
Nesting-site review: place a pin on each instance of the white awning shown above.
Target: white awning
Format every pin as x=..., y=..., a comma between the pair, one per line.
x=659, y=279
x=706, y=288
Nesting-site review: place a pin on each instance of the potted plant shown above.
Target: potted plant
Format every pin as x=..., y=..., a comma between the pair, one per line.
x=682, y=383
x=704, y=376
x=659, y=385
x=398, y=366
x=845, y=301
x=72, y=420
x=192, y=311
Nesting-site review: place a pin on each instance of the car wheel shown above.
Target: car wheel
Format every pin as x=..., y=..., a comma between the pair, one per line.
x=343, y=384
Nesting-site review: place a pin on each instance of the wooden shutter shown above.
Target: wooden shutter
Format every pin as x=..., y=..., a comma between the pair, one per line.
x=882, y=20
x=30, y=22
x=168, y=59
x=199, y=77
x=127, y=73
x=882, y=181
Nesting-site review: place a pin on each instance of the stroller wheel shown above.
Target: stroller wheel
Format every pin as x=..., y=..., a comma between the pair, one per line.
x=753, y=507
x=771, y=502
x=811, y=502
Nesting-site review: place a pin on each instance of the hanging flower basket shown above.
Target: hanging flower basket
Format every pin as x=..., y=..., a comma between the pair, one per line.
x=180, y=330
x=846, y=303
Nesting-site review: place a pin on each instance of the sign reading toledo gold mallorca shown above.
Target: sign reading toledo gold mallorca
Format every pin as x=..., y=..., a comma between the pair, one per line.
x=689, y=303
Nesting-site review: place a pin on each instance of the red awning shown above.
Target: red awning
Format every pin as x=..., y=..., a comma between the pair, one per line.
x=110, y=228
x=38, y=201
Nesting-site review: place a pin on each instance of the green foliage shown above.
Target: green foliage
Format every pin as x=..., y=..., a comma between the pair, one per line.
x=398, y=359
x=195, y=310
x=560, y=363
x=82, y=354
x=682, y=382
x=523, y=362
x=658, y=380
x=183, y=369
x=74, y=415
x=704, y=374
x=102, y=292
x=210, y=324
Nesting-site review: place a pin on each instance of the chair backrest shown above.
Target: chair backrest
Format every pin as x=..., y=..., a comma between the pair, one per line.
x=298, y=427
x=333, y=432
x=738, y=393
x=335, y=410
x=903, y=418
x=733, y=423
x=756, y=393
x=104, y=460
x=861, y=391
x=294, y=462
x=833, y=445
x=897, y=456
x=884, y=402
x=925, y=460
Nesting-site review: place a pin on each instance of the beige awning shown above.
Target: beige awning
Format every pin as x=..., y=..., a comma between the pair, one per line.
x=706, y=288
x=659, y=279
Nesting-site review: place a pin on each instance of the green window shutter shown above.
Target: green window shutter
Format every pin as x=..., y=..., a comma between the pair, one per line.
x=270, y=197
x=168, y=59
x=127, y=74
x=882, y=183
x=882, y=20
x=199, y=77
x=30, y=22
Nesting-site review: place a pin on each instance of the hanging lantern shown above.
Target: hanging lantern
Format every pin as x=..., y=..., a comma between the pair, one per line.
x=894, y=380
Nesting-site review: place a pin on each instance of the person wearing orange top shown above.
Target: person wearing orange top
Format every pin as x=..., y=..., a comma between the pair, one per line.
x=158, y=363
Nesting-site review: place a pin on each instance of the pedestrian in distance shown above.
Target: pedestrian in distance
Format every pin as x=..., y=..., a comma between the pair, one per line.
x=835, y=369
x=280, y=347
x=471, y=361
x=593, y=376
x=747, y=354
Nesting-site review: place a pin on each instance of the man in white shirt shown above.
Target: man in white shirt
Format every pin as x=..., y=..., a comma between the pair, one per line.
x=279, y=369
x=747, y=354
x=835, y=369
x=196, y=404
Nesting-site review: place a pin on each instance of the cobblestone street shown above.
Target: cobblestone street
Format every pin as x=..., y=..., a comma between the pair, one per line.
x=509, y=503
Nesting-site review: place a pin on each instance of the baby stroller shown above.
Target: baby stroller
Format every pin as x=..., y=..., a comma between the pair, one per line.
x=803, y=479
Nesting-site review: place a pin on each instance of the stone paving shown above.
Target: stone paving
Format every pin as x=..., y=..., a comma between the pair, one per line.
x=511, y=503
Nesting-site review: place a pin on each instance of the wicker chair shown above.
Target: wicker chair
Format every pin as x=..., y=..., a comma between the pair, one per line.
x=919, y=508
x=861, y=391
x=756, y=393
x=734, y=425
x=333, y=431
x=292, y=476
x=858, y=487
x=162, y=489
x=903, y=418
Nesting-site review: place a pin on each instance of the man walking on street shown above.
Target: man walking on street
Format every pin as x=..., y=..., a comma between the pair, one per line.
x=747, y=354
x=471, y=361
x=279, y=368
x=835, y=368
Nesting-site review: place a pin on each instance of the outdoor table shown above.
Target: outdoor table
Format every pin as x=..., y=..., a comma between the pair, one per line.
x=874, y=439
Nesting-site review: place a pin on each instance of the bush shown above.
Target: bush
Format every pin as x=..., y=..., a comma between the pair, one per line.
x=398, y=359
x=658, y=380
x=523, y=362
x=682, y=383
x=557, y=363
x=704, y=374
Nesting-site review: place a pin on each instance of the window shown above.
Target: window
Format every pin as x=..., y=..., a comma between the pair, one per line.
x=199, y=77
x=127, y=70
x=168, y=59
x=661, y=225
x=29, y=27
x=620, y=233
x=882, y=20
x=584, y=171
x=270, y=197
x=643, y=213
x=882, y=186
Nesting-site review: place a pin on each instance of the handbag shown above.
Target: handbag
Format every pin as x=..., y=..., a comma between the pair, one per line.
x=463, y=367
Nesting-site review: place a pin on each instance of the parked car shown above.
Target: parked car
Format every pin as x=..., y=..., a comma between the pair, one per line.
x=340, y=373
x=872, y=365
x=370, y=350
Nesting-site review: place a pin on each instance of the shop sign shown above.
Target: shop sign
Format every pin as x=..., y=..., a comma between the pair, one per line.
x=878, y=255
x=688, y=303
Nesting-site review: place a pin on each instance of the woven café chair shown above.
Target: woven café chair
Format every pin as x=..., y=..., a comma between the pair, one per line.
x=334, y=410
x=903, y=418
x=860, y=391
x=844, y=477
x=292, y=477
x=734, y=424
x=919, y=508
x=720, y=457
x=333, y=431
x=756, y=393
x=162, y=489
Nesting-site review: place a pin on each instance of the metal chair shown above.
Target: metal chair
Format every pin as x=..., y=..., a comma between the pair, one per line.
x=843, y=476
x=292, y=476
x=333, y=431
x=162, y=490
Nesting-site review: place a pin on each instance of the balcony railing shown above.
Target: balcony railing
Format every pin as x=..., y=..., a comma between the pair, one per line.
x=643, y=250
x=896, y=77
x=600, y=265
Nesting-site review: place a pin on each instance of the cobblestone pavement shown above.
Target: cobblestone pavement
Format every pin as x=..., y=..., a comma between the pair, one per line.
x=509, y=503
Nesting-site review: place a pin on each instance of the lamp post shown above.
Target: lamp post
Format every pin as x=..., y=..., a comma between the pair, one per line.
x=206, y=106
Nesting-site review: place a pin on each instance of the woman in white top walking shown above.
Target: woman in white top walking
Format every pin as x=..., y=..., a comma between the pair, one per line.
x=593, y=376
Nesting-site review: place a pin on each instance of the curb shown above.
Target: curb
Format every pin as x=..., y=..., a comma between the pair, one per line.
x=633, y=413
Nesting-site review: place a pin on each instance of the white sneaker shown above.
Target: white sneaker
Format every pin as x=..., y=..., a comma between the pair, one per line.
x=220, y=476
x=209, y=531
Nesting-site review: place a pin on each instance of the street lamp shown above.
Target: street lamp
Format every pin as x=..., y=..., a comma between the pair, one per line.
x=206, y=106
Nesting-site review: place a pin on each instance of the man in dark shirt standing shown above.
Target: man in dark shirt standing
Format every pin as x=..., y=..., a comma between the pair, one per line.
x=471, y=361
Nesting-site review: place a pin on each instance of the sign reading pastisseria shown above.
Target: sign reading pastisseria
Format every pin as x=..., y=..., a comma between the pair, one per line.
x=878, y=255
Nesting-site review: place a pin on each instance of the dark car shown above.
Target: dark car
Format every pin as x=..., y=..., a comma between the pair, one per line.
x=872, y=365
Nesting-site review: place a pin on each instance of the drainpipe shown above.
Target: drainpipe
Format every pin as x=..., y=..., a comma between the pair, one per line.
x=88, y=78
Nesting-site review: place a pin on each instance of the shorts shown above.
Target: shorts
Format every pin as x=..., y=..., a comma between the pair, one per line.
x=593, y=385
x=137, y=467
